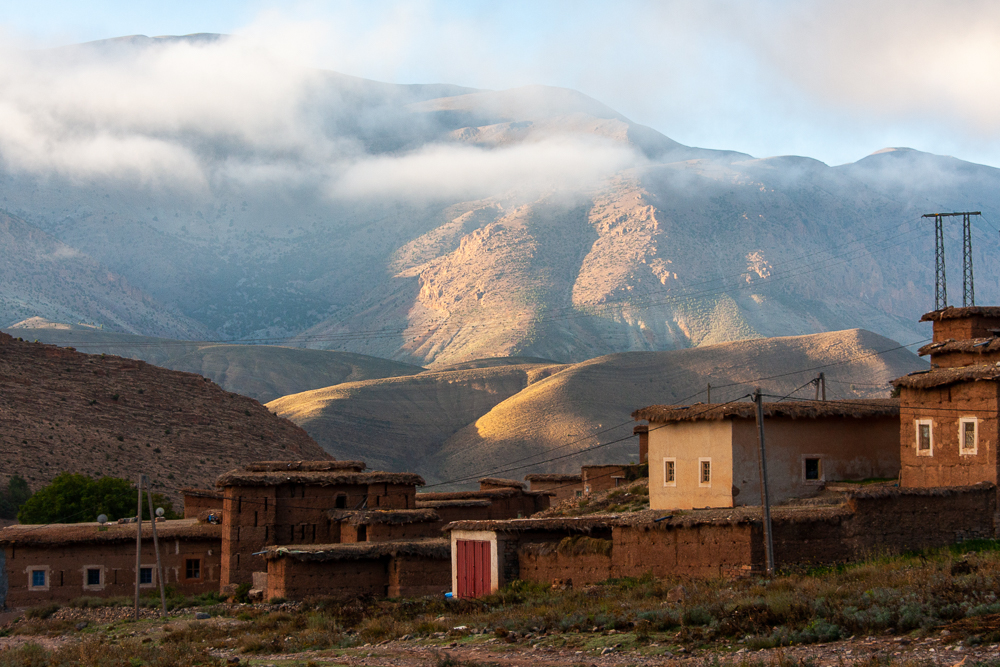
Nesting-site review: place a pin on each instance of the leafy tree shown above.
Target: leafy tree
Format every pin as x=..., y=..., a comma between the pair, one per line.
x=14, y=497
x=75, y=498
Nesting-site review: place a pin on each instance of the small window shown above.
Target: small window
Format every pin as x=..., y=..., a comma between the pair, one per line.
x=362, y=533
x=925, y=437
x=38, y=578
x=193, y=568
x=812, y=469
x=341, y=501
x=704, y=472
x=579, y=493
x=93, y=576
x=146, y=575
x=669, y=472
x=968, y=436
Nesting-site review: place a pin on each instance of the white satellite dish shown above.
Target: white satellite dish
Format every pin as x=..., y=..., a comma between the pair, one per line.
x=159, y=511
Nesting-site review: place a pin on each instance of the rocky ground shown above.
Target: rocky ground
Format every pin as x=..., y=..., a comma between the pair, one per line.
x=953, y=645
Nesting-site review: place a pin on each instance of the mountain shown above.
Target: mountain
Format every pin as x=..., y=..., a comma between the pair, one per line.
x=454, y=426
x=262, y=372
x=437, y=224
x=100, y=415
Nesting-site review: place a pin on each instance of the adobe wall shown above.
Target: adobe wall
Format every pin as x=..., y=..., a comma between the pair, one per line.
x=512, y=507
x=601, y=478
x=561, y=490
x=384, y=532
x=685, y=443
x=392, y=496
x=548, y=565
x=195, y=505
x=849, y=449
x=946, y=465
x=411, y=576
x=67, y=565
x=965, y=328
x=449, y=514
x=296, y=580
x=699, y=551
x=953, y=359
x=247, y=527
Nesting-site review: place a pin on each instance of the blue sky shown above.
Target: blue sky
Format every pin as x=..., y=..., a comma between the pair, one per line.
x=832, y=80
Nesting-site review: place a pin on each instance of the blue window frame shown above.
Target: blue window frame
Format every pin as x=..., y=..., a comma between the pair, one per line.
x=145, y=575
x=37, y=578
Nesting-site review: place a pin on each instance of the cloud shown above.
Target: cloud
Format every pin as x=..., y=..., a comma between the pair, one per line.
x=468, y=172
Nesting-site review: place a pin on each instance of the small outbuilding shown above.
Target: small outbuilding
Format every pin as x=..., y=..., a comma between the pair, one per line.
x=707, y=455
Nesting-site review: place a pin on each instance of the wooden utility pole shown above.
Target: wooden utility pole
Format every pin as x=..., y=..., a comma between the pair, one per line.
x=138, y=546
x=156, y=549
x=820, y=382
x=765, y=498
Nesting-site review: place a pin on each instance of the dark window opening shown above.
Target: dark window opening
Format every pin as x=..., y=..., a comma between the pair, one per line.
x=192, y=569
x=255, y=518
x=362, y=533
x=145, y=575
x=925, y=437
x=812, y=469
x=93, y=576
x=341, y=502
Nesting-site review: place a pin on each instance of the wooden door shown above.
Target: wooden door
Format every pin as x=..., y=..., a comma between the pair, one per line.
x=474, y=571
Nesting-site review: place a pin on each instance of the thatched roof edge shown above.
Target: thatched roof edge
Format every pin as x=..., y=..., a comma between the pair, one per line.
x=969, y=346
x=878, y=492
x=304, y=466
x=942, y=377
x=955, y=313
x=331, y=478
x=53, y=535
x=855, y=408
x=553, y=478
x=442, y=504
x=427, y=548
x=375, y=517
x=500, y=481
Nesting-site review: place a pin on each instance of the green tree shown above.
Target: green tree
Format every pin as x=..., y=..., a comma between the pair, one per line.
x=75, y=498
x=16, y=495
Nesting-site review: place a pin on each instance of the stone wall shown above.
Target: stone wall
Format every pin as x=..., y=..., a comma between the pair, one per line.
x=66, y=570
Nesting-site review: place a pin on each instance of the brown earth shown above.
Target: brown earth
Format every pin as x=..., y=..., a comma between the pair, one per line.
x=63, y=410
x=461, y=425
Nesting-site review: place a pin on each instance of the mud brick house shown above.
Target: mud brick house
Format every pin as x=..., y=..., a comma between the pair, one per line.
x=198, y=501
x=642, y=430
x=274, y=503
x=561, y=487
x=712, y=542
x=602, y=477
x=948, y=426
x=495, y=499
x=707, y=455
x=386, y=569
x=61, y=562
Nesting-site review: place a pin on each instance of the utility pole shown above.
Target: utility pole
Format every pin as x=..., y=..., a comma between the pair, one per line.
x=138, y=547
x=940, y=284
x=156, y=549
x=820, y=383
x=765, y=498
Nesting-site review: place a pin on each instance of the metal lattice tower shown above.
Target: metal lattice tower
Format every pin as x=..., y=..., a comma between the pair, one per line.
x=940, y=283
x=968, y=289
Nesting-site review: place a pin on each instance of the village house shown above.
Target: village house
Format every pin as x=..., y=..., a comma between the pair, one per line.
x=496, y=499
x=198, y=501
x=707, y=455
x=62, y=562
x=560, y=487
x=949, y=414
x=487, y=555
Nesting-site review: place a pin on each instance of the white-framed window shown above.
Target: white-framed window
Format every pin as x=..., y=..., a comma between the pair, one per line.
x=38, y=577
x=705, y=471
x=968, y=436
x=669, y=472
x=812, y=469
x=147, y=576
x=925, y=437
x=93, y=577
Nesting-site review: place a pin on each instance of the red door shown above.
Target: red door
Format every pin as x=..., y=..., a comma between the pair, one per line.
x=474, y=572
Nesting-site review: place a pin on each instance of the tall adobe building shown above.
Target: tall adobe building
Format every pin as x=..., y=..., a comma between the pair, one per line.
x=949, y=414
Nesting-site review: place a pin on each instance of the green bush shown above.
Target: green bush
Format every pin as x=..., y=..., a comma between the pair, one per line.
x=75, y=498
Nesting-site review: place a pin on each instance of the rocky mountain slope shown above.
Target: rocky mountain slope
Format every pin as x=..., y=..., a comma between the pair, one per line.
x=63, y=410
x=456, y=426
x=456, y=224
x=262, y=372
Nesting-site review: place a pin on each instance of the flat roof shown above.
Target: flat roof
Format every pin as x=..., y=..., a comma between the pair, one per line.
x=942, y=377
x=242, y=477
x=376, y=517
x=856, y=408
x=57, y=534
x=438, y=548
x=955, y=313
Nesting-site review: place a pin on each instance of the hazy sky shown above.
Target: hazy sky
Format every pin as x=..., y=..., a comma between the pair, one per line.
x=830, y=80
